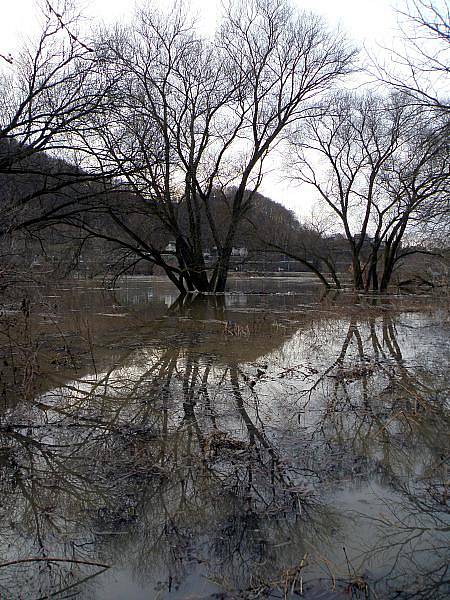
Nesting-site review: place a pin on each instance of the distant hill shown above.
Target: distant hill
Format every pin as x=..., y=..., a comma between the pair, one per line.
x=52, y=210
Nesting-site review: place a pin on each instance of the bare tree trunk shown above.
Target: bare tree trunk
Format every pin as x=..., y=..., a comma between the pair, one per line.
x=358, y=281
x=193, y=266
x=389, y=262
x=372, y=274
x=219, y=279
x=332, y=270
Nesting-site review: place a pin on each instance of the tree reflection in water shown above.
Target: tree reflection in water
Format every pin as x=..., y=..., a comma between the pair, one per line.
x=311, y=460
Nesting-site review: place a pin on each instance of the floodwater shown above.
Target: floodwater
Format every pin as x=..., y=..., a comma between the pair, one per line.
x=269, y=443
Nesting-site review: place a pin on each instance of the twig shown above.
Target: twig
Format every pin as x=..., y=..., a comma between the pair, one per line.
x=54, y=559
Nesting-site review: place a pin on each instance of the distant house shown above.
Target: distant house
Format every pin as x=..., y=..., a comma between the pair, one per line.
x=208, y=254
x=171, y=247
x=241, y=252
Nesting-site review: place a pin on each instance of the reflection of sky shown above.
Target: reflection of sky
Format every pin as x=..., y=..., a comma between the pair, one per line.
x=280, y=395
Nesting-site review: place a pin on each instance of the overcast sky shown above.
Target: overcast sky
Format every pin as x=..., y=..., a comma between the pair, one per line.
x=365, y=20
x=370, y=23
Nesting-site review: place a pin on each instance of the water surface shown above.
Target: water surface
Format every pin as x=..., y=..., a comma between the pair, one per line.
x=269, y=443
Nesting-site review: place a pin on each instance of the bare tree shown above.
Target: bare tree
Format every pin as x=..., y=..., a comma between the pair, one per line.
x=422, y=67
x=417, y=187
x=379, y=166
x=195, y=119
x=47, y=91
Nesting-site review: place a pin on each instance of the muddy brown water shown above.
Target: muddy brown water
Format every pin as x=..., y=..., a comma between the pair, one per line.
x=269, y=443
